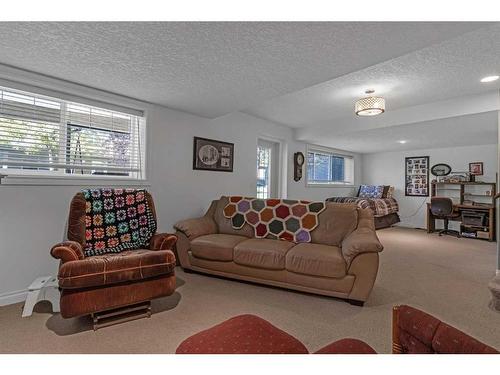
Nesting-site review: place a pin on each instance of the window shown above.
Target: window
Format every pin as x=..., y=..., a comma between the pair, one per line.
x=263, y=172
x=328, y=168
x=47, y=136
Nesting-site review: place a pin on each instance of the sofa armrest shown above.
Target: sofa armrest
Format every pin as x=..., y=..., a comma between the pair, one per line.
x=67, y=251
x=162, y=241
x=362, y=240
x=193, y=228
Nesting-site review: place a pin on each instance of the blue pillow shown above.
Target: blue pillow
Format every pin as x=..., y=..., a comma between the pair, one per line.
x=371, y=191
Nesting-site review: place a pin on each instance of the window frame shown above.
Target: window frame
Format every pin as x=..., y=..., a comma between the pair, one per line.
x=22, y=177
x=330, y=152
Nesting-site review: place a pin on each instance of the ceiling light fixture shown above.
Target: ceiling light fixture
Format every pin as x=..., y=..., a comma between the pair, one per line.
x=489, y=79
x=402, y=141
x=370, y=106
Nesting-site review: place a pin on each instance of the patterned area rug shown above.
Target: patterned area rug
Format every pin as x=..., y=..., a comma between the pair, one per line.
x=289, y=220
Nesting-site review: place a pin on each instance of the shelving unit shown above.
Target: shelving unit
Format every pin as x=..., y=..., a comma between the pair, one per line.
x=474, y=198
x=462, y=186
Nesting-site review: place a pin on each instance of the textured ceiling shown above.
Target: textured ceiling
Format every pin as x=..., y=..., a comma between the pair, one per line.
x=211, y=69
x=477, y=129
x=449, y=69
x=304, y=75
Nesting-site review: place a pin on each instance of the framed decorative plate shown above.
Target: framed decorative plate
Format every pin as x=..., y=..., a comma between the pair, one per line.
x=212, y=155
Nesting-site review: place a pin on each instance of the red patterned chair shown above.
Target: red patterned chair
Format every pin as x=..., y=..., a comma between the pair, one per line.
x=249, y=334
x=416, y=332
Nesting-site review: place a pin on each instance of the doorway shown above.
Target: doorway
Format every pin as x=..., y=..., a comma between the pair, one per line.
x=267, y=169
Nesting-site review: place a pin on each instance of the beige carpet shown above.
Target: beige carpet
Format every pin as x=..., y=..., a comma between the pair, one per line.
x=444, y=276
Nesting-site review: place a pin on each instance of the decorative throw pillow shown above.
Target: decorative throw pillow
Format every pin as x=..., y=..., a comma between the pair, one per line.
x=371, y=191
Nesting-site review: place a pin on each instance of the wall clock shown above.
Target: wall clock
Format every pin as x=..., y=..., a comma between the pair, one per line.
x=441, y=169
x=298, y=162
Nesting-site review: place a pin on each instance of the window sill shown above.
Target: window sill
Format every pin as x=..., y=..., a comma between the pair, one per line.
x=20, y=180
x=350, y=186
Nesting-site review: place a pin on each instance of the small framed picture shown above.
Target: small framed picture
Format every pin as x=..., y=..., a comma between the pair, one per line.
x=476, y=168
x=212, y=155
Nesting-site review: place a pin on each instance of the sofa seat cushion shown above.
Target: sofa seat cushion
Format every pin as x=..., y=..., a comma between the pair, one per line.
x=316, y=260
x=243, y=334
x=216, y=246
x=131, y=265
x=262, y=253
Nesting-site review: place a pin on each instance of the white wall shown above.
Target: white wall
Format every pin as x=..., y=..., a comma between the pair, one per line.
x=180, y=191
x=388, y=168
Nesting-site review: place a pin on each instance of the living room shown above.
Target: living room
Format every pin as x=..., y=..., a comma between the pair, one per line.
x=350, y=136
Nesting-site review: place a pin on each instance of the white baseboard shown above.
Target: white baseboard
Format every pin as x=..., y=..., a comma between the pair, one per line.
x=407, y=225
x=13, y=297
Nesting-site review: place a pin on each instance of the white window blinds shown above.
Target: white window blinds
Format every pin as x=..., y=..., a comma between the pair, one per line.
x=328, y=167
x=41, y=135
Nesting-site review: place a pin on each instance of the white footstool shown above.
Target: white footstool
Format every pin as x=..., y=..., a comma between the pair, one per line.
x=44, y=288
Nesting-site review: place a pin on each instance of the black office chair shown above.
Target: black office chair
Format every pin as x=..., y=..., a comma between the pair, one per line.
x=442, y=208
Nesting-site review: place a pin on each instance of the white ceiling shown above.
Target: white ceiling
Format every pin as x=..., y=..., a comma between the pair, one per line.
x=468, y=130
x=303, y=75
x=449, y=69
x=211, y=69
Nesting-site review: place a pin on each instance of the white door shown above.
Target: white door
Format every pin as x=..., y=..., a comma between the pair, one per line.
x=267, y=169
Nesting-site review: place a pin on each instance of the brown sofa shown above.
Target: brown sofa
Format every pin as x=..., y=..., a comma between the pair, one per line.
x=100, y=283
x=341, y=261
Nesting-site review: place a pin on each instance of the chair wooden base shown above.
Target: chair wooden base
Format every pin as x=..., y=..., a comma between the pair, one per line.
x=121, y=315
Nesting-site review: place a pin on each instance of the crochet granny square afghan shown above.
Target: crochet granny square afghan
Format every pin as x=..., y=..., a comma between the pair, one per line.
x=117, y=220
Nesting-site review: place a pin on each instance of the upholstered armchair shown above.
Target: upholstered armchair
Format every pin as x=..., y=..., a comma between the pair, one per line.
x=99, y=283
x=416, y=332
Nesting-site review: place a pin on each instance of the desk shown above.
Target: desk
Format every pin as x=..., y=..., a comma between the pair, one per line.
x=488, y=209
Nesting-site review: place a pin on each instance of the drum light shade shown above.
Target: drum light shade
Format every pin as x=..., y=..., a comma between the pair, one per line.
x=371, y=106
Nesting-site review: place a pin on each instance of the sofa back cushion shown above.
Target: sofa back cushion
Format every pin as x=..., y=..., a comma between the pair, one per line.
x=289, y=220
x=224, y=224
x=336, y=222
x=76, y=219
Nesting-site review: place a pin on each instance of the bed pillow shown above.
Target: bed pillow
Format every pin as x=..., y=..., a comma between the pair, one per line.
x=371, y=191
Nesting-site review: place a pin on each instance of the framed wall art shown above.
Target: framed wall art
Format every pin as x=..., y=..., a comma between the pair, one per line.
x=212, y=155
x=417, y=176
x=476, y=168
